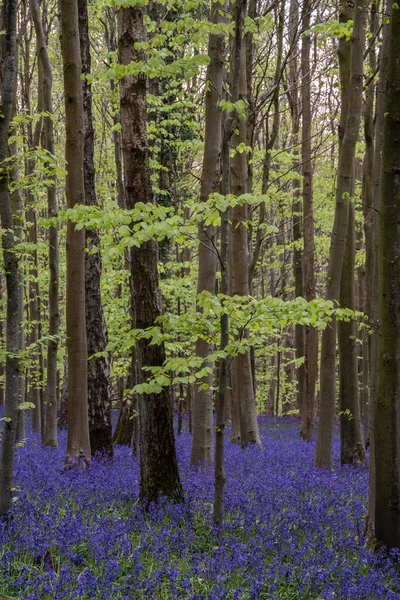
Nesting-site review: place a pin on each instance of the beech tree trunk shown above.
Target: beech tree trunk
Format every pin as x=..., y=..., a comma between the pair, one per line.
x=387, y=410
x=352, y=107
x=374, y=316
x=369, y=207
x=10, y=263
x=202, y=407
x=158, y=464
x=293, y=98
x=242, y=380
x=78, y=425
x=50, y=436
x=99, y=385
x=351, y=437
x=310, y=334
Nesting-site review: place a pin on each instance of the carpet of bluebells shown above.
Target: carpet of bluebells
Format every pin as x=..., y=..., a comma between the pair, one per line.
x=291, y=532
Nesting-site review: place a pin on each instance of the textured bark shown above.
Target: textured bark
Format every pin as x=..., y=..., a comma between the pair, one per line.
x=310, y=334
x=374, y=316
x=352, y=107
x=98, y=384
x=387, y=410
x=78, y=426
x=158, y=465
x=203, y=438
x=10, y=263
x=50, y=435
x=351, y=437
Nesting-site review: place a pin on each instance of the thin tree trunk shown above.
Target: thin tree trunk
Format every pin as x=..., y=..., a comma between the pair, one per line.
x=202, y=407
x=293, y=97
x=50, y=437
x=310, y=334
x=351, y=437
x=78, y=425
x=99, y=385
x=352, y=106
x=242, y=381
x=369, y=209
x=17, y=208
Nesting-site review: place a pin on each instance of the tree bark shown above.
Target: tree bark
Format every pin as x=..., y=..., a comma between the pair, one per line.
x=50, y=438
x=374, y=316
x=310, y=334
x=352, y=108
x=293, y=97
x=158, y=464
x=10, y=263
x=387, y=410
x=78, y=426
x=242, y=381
x=99, y=385
x=202, y=407
x=351, y=437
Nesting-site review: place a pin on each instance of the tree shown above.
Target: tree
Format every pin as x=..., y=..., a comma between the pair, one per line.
x=310, y=334
x=158, y=464
x=242, y=379
x=373, y=276
x=9, y=69
x=50, y=436
x=78, y=426
x=99, y=386
x=351, y=61
x=387, y=409
x=203, y=439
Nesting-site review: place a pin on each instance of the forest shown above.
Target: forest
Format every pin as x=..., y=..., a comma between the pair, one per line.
x=199, y=299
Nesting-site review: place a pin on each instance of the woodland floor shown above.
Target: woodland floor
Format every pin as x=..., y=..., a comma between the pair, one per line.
x=291, y=532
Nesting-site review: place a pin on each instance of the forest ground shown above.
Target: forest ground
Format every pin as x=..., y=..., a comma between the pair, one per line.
x=291, y=532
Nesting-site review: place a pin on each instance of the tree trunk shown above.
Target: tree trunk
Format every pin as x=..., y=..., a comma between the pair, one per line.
x=62, y=409
x=78, y=425
x=158, y=464
x=10, y=263
x=242, y=381
x=293, y=97
x=124, y=429
x=369, y=209
x=99, y=385
x=387, y=410
x=17, y=209
x=202, y=407
x=351, y=437
x=50, y=437
x=352, y=108
x=374, y=316
x=310, y=334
